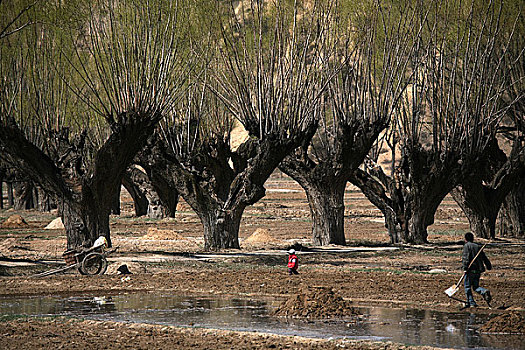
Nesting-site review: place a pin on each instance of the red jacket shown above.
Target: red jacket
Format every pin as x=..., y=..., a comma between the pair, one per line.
x=293, y=262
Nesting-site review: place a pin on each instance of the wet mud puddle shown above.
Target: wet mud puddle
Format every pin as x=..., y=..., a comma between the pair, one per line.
x=408, y=326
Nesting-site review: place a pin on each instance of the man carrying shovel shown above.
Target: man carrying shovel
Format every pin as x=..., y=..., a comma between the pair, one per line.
x=474, y=263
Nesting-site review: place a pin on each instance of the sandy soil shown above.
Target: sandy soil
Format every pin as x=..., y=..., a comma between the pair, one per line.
x=169, y=258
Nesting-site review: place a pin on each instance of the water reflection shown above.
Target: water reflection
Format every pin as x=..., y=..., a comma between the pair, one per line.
x=409, y=326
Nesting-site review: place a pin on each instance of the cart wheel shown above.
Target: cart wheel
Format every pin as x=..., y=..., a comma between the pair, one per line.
x=93, y=264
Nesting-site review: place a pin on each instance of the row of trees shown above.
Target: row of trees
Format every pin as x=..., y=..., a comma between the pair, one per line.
x=147, y=95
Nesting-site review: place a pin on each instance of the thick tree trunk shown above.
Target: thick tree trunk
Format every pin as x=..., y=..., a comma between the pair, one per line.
x=417, y=226
x=326, y=201
x=141, y=180
x=512, y=213
x=221, y=228
x=421, y=206
x=325, y=186
x=84, y=224
x=392, y=208
x=167, y=194
x=10, y=196
x=155, y=208
x=220, y=217
x=480, y=208
x=115, y=205
x=43, y=200
x=396, y=225
x=23, y=196
x=139, y=198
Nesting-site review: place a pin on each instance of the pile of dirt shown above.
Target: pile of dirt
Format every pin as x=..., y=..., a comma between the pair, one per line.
x=510, y=322
x=14, y=221
x=317, y=303
x=260, y=235
x=155, y=233
x=55, y=225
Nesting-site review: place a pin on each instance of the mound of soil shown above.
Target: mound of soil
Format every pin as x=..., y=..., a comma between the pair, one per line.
x=260, y=235
x=14, y=221
x=510, y=322
x=317, y=303
x=155, y=233
x=55, y=225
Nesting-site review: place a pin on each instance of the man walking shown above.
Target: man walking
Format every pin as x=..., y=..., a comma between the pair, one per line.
x=474, y=265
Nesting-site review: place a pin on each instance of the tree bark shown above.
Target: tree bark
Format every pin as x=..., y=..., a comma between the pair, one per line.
x=480, y=207
x=327, y=210
x=10, y=197
x=1, y=194
x=221, y=228
x=410, y=198
x=378, y=194
x=155, y=206
x=23, y=195
x=115, y=205
x=325, y=187
x=512, y=213
x=43, y=201
x=84, y=223
x=422, y=216
x=140, y=201
x=421, y=204
x=168, y=195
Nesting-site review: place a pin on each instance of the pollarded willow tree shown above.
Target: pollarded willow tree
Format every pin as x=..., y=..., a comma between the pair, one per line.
x=446, y=121
x=483, y=192
x=269, y=74
x=94, y=96
x=358, y=106
x=502, y=168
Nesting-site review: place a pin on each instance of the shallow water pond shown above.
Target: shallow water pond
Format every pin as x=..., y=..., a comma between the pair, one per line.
x=409, y=326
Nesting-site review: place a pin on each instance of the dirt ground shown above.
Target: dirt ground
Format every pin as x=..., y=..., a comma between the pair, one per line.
x=166, y=256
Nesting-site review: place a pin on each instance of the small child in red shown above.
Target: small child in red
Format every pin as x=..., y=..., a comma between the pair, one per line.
x=293, y=262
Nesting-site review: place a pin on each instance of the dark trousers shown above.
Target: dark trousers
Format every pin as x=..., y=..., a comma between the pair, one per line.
x=292, y=271
x=472, y=284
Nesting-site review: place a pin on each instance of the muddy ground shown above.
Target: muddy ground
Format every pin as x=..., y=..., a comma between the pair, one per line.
x=166, y=256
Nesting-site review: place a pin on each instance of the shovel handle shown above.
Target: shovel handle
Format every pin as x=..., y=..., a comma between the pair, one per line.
x=470, y=265
x=461, y=279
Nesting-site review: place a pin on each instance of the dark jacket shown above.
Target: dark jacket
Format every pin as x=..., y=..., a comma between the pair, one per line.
x=470, y=249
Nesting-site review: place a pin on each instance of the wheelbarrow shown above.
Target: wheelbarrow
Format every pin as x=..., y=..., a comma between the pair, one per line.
x=88, y=261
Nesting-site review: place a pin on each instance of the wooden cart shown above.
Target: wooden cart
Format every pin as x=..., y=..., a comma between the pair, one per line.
x=90, y=261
